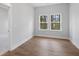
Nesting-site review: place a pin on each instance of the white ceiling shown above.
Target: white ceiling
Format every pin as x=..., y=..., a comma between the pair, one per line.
x=41, y=4
x=6, y=4
x=32, y=4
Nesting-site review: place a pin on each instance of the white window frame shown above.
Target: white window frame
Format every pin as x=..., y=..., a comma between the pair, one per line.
x=43, y=22
x=49, y=22
x=60, y=22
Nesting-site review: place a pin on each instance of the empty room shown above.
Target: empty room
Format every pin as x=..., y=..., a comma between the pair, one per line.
x=39, y=29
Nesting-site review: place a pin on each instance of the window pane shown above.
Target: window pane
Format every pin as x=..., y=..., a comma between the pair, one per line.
x=43, y=18
x=55, y=26
x=43, y=25
x=55, y=18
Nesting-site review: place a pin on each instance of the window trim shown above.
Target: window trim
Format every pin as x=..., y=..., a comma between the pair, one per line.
x=43, y=22
x=60, y=22
x=49, y=22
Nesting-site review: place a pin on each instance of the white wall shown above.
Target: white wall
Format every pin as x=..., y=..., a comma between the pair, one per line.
x=56, y=8
x=4, y=41
x=74, y=24
x=22, y=23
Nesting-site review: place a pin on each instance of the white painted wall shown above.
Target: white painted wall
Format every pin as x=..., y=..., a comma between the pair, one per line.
x=4, y=41
x=48, y=10
x=74, y=23
x=22, y=23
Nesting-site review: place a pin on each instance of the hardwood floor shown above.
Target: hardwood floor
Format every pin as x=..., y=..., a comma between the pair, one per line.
x=40, y=46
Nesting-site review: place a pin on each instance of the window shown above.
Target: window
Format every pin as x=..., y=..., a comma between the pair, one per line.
x=43, y=22
x=55, y=22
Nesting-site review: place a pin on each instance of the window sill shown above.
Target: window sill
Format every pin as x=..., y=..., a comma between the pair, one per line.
x=56, y=30
x=43, y=29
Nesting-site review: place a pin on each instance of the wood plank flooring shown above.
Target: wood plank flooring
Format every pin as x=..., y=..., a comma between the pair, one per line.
x=40, y=46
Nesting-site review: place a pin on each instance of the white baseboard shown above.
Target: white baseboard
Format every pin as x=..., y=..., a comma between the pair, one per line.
x=3, y=52
x=20, y=43
x=74, y=44
x=53, y=36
